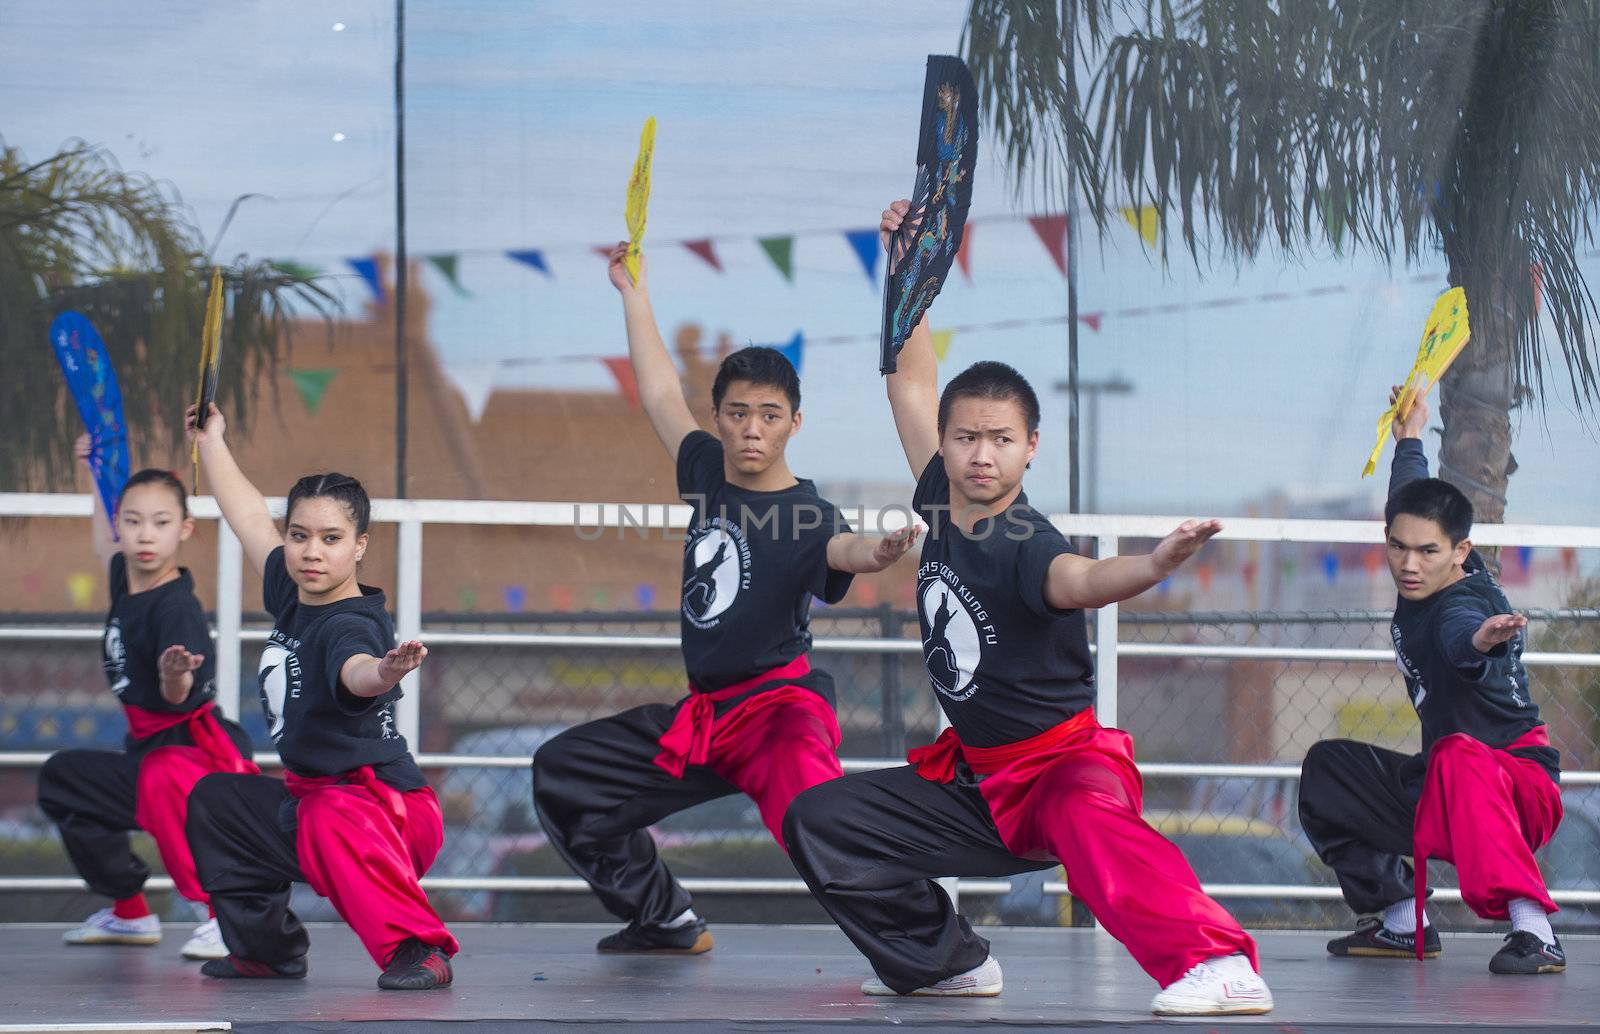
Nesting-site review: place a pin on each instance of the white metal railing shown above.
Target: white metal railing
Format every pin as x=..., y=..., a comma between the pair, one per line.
x=592, y=520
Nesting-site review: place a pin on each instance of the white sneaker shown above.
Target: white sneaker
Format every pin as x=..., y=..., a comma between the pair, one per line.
x=105, y=927
x=205, y=942
x=1225, y=986
x=983, y=981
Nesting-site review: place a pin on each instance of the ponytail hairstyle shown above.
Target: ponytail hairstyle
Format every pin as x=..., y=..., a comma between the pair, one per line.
x=152, y=476
x=342, y=488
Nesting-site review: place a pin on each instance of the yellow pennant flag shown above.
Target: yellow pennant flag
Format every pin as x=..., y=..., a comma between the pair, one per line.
x=941, y=342
x=1443, y=338
x=210, y=356
x=1146, y=220
x=639, y=197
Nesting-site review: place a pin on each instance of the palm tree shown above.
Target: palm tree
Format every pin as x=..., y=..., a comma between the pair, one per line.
x=77, y=232
x=1404, y=127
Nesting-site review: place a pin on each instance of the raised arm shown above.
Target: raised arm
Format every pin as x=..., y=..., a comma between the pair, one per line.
x=242, y=506
x=1410, y=461
x=660, y=390
x=914, y=386
x=101, y=537
x=1075, y=582
x=369, y=676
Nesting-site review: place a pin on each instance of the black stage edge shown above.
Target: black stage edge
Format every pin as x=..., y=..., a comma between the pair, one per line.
x=760, y=979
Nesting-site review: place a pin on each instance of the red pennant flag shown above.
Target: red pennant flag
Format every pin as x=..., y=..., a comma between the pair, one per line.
x=963, y=257
x=1247, y=571
x=704, y=250
x=1569, y=560
x=622, y=370
x=561, y=597
x=1092, y=320
x=1052, y=231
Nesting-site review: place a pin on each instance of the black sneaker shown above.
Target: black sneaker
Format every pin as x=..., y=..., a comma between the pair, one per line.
x=1526, y=955
x=633, y=939
x=1373, y=940
x=234, y=968
x=415, y=966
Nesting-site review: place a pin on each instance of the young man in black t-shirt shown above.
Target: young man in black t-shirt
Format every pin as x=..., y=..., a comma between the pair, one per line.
x=758, y=718
x=1024, y=778
x=1484, y=793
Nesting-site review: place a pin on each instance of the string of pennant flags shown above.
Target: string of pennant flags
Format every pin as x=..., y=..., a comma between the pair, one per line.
x=477, y=380
x=1050, y=228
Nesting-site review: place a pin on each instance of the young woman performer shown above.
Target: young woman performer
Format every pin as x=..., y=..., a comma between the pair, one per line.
x=353, y=816
x=159, y=661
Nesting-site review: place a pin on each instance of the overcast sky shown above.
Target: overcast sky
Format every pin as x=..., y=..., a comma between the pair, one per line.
x=523, y=120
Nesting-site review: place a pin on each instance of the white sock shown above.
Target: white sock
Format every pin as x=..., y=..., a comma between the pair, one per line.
x=1527, y=914
x=1231, y=967
x=1401, y=917
x=685, y=919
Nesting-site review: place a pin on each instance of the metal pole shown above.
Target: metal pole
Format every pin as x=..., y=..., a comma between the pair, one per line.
x=1073, y=161
x=229, y=606
x=400, y=277
x=408, y=625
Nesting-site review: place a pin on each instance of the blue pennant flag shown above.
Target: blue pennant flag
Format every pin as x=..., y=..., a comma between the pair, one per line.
x=532, y=258
x=93, y=384
x=865, y=242
x=368, y=268
x=794, y=350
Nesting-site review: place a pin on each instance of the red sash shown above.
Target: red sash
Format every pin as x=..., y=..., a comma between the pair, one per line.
x=936, y=762
x=687, y=740
x=204, y=729
x=392, y=800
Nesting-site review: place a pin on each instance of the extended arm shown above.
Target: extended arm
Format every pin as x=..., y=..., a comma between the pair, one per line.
x=1076, y=582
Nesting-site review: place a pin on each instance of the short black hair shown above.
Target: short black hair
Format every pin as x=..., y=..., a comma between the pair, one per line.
x=153, y=476
x=760, y=365
x=340, y=487
x=1433, y=500
x=994, y=381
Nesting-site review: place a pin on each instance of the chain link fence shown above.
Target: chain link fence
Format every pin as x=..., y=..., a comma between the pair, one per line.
x=503, y=701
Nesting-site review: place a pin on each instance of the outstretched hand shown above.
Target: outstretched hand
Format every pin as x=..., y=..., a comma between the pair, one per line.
x=401, y=661
x=1497, y=629
x=1184, y=543
x=176, y=661
x=895, y=545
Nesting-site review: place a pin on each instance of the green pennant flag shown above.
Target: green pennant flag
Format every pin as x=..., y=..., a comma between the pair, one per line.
x=781, y=251
x=312, y=385
x=289, y=267
x=446, y=264
x=1335, y=213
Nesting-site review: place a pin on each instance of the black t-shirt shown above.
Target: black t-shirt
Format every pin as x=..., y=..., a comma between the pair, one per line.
x=319, y=727
x=1004, y=664
x=1454, y=688
x=752, y=561
x=139, y=628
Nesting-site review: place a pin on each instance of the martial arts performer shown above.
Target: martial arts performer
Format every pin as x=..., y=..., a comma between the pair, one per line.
x=1025, y=777
x=1484, y=793
x=759, y=718
x=158, y=657
x=353, y=816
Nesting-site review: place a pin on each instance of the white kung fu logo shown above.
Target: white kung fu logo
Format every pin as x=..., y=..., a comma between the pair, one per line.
x=716, y=568
x=955, y=630
x=279, y=678
x=116, y=654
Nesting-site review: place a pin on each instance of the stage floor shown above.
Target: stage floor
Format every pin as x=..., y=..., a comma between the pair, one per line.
x=758, y=978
